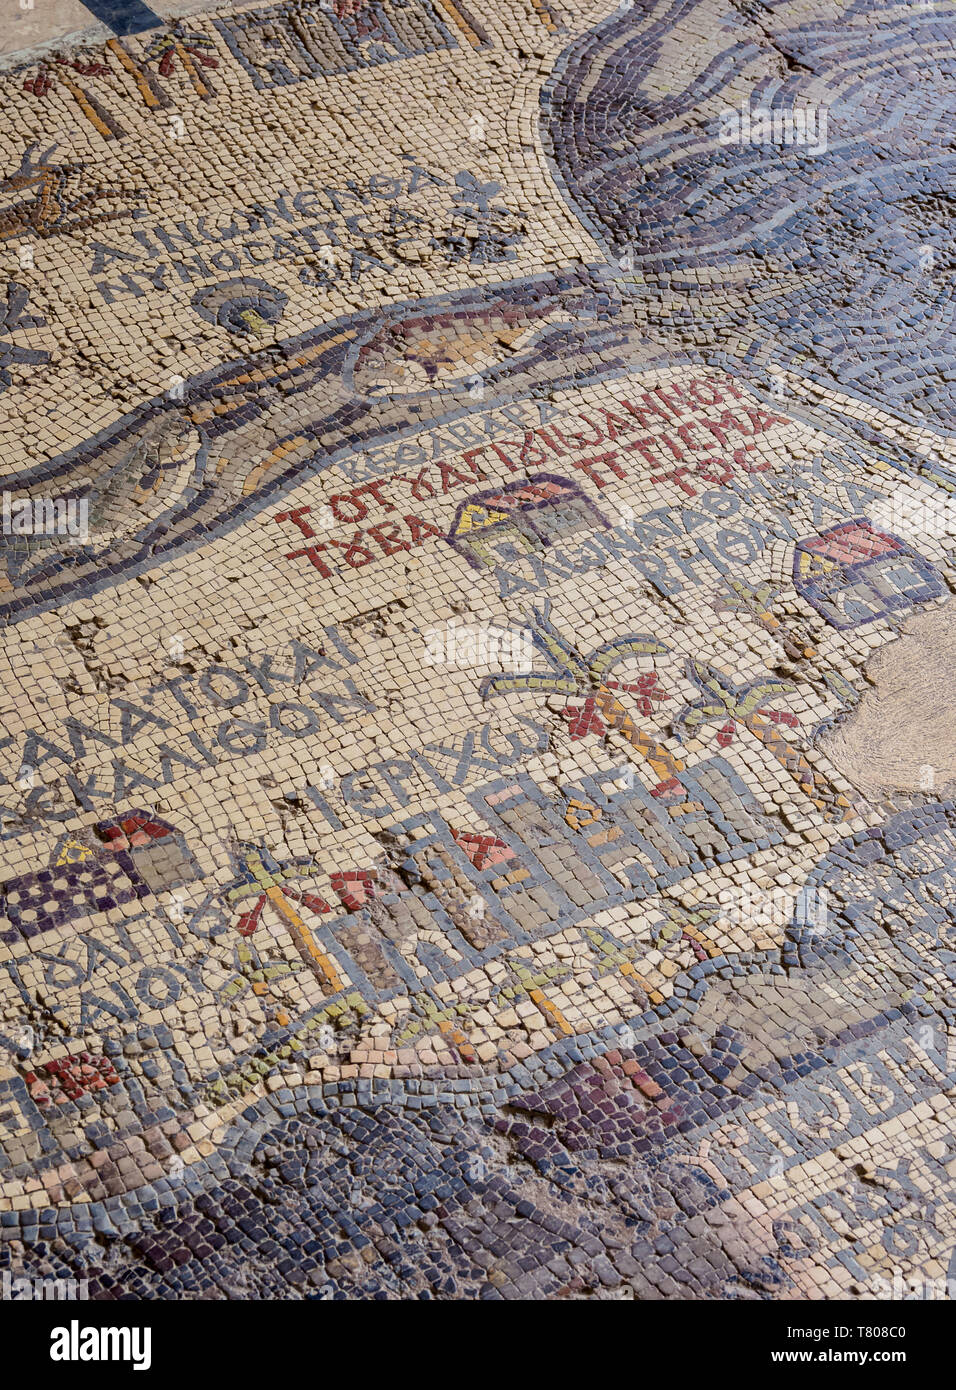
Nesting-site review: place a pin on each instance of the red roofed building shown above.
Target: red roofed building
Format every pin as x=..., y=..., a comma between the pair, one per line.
x=855, y=573
x=531, y=515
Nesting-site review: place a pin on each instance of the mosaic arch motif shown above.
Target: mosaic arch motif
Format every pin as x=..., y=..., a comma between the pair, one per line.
x=678, y=1090
x=369, y=947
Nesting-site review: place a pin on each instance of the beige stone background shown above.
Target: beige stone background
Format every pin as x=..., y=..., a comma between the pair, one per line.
x=243, y=147
x=240, y=595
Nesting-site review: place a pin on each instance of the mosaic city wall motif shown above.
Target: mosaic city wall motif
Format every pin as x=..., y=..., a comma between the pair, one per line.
x=433, y=743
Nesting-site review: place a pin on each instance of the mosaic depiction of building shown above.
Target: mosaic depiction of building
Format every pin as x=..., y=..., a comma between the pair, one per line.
x=333, y=969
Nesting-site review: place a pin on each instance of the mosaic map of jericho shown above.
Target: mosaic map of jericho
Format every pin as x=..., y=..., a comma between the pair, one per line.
x=477, y=572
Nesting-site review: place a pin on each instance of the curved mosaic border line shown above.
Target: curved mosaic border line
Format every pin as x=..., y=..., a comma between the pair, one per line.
x=636, y=37
x=477, y=1099
x=221, y=385
x=206, y=515
x=616, y=343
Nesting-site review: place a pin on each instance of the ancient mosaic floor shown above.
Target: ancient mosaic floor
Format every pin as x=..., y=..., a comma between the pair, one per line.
x=475, y=698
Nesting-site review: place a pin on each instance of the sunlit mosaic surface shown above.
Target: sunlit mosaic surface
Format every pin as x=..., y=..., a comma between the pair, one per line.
x=476, y=722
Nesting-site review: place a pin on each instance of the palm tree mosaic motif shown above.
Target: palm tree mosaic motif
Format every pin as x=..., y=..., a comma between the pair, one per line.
x=731, y=705
x=757, y=602
x=586, y=675
x=266, y=882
